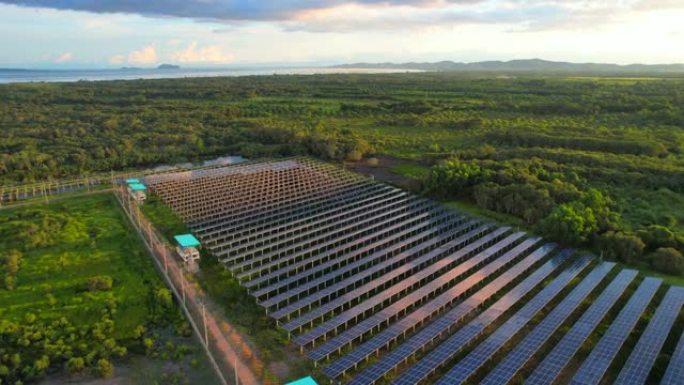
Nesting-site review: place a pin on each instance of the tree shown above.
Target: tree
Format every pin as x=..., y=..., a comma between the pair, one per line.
x=75, y=365
x=105, y=369
x=668, y=260
x=571, y=223
x=620, y=246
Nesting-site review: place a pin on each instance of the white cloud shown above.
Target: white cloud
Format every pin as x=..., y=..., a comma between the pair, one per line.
x=63, y=57
x=145, y=55
x=206, y=54
x=117, y=59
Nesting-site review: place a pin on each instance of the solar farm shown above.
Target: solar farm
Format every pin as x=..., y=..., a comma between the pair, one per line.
x=377, y=285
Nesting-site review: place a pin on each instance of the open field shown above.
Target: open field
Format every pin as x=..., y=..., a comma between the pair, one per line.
x=81, y=269
x=379, y=286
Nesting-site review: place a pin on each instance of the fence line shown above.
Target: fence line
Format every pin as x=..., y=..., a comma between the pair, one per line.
x=224, y=359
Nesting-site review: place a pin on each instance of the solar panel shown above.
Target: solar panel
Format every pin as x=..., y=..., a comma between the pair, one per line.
x=521, y=354
x=257, y=261
x=484, y=351
x=432, y=228
x=599, y=360
x=464, y=336
x=554, y=362
x=675, y=370
x=405, y=285
x=439, y=326
x=396, y=260
x=644, y=354
x=398, y=306
x=332, y=249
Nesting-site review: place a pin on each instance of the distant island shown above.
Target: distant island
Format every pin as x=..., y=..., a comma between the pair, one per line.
x=168, y=67
x=528, y=65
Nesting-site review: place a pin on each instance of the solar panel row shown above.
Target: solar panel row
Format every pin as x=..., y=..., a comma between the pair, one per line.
x=504, y=372
x=550, y=368
x=602, y=355
x=409, y=283
x=426, y=336
x=640, y=361
x=401, y=305
x=423, y=313
x=392, y=263
x=422, y=233
x=674, y=375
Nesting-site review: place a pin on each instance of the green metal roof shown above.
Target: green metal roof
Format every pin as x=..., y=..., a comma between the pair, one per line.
x=132, y=180
x=303, y=381
x=187, y=240
x=137, y=187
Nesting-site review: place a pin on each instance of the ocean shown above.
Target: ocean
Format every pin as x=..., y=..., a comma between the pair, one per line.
x=26, y=76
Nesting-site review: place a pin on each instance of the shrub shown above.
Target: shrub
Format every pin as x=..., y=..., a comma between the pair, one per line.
x=75, y=365
x=621, y=246
x=99, y=283
x=105, y=369
x=668, y=260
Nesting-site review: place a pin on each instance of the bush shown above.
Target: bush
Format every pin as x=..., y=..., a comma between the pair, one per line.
x=668, y=260
x=75, y=365
x=105, y=369
x=620, y=246
x=100, y=283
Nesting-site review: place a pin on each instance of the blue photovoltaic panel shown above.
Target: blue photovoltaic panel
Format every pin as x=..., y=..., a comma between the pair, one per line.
x=271, y=255
x=521, y=354
x=599, y=360
x=394, y=290
x=644, y=354
x=397, y=259
x=424, y=292
x=433, y=230
x=432, y=331
x=463, y=337
x=554, y=362
x=675, y=370
x=350, y=334
x=484, y=351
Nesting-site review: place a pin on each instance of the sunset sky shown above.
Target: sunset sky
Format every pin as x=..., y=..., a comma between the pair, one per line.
x=194, y=33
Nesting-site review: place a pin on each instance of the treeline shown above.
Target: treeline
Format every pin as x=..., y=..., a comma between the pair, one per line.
x=559, y=204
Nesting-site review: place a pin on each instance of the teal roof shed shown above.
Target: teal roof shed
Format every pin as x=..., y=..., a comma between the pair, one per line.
x=137, y=187
x=303, y=381
x=187, y=240
x=132, y=180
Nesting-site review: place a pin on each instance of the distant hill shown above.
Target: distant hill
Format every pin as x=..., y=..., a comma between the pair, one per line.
x=168, y=67
x=528, y=65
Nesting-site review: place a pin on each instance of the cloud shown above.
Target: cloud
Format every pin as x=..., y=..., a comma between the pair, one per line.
x=373, y=15
x=117, y=59
x=207, y=54
x=145, y=55
x=63, y=57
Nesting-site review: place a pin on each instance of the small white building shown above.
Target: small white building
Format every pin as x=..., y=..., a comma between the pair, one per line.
x=187, y=247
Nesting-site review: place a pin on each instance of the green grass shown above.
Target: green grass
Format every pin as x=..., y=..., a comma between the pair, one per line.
x=85, y=237
x=410, y=170
x=476, y=211
x=164, y=219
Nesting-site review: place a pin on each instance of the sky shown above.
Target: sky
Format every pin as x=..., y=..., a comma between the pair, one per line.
x=197, y=33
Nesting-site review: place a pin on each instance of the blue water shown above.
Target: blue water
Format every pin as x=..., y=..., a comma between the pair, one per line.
x=23, y=76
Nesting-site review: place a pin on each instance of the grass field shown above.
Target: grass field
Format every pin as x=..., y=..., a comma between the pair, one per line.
x=62, y=245
x=86, y=237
